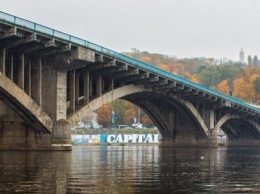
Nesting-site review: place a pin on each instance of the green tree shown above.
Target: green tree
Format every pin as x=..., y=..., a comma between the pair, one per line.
x=119, y=107
x=209, y=76
x=257, y=85
x=249, y=60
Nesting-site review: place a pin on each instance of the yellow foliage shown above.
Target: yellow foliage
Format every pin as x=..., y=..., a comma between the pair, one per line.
x=243, y=89
x=164, y=67
x=223, y=87
x=146, y=59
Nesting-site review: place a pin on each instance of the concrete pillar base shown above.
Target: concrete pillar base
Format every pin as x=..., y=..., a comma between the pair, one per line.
x=20, y=136
x=207, y=143
x=242, y=143
x=61, y=136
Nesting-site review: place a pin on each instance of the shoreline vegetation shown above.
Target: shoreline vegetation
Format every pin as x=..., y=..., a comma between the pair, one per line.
x=81, y=131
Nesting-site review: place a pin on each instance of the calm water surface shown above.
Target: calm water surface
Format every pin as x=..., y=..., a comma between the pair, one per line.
x=131, y=169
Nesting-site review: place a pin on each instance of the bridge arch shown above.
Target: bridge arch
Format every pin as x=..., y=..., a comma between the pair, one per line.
x=104, y=99
x=229, y=121
x=178, y=109
x=149, y=102
x=19, y=101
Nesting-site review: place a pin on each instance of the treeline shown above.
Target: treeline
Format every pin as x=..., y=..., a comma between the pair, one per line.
x=226, y=76
x=121, y=112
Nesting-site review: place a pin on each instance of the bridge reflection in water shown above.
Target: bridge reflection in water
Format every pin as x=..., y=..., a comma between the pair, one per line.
x=130, y=169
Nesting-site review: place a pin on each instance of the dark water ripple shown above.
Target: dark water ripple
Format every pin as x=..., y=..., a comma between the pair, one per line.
x=131, y=169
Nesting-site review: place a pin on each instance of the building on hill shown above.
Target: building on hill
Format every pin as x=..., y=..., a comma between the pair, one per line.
x=242, y=56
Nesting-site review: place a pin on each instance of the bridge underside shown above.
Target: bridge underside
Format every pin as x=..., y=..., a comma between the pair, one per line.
x=241, y=133
x=176, y=124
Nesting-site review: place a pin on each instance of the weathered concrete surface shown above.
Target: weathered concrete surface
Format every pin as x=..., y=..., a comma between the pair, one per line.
x=242, y=143
x=61, y=139
x=83, y=54
x=16, y=134
x=104, y=99
x=24, y=124
x=17, y=95
x=189, y=141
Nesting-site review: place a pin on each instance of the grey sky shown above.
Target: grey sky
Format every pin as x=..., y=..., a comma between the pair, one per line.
x=185, y=28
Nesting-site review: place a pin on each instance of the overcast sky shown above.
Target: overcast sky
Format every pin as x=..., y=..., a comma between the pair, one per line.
x=184, y=28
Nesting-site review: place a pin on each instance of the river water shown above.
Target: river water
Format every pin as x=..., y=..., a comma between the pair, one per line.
x=131, y=169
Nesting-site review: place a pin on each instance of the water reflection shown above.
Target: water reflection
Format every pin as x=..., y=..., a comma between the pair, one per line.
x=131, y=169
x=33, y=172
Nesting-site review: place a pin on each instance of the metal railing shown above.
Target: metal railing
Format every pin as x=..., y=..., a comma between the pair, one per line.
x=5, y=17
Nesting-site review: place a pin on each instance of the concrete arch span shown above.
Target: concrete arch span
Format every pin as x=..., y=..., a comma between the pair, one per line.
x=236, y=127
x=177, y=120
x=170, y=113
x=16, y=99
x=104, y=99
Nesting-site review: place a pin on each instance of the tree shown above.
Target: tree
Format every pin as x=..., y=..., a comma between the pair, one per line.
x=103, y=115
x=164, y=67
x=88, y=119
x=146, y=59
x=249, y=60
x=130, y=113
x=257, y=85
x=223, y=87
x=146, y=121
x=227, y=72
x=209, y=76
x=255, y=61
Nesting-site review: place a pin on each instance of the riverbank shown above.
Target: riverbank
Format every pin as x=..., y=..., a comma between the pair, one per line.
x=114, y=131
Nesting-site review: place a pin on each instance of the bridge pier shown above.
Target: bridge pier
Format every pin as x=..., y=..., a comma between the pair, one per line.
x=188, y=141
x=242, y=143
x=16, y=134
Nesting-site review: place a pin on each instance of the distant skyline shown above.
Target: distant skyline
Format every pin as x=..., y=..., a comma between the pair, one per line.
x=182, y=28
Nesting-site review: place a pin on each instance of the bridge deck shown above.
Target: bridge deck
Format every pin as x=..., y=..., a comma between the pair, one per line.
x=22, y=23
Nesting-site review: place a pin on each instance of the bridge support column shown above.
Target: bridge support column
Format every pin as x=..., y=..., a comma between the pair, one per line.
x=21, y=72
x=242, y=143
x=99, y=86
x=77, y=95
x=90, y=87
x=86, y=87
x=72, y=90
x=183, y=132
x=111, y=84
x=37, y=81
x=3, y=61
x=10, y=68
x=55, y=104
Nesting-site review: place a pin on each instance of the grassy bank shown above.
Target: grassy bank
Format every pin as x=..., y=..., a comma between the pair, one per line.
x=113, y=131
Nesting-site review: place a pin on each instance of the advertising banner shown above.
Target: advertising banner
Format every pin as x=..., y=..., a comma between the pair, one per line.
x=115, y=138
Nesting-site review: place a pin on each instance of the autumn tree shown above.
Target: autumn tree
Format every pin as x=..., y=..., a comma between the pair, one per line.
x=164, y=67
x=87, y=119
x=146, y=59
x=223, y=87
x=130, y=113
x=119, y=107
x=103, y=115
x=146, y=121
x=257, y=85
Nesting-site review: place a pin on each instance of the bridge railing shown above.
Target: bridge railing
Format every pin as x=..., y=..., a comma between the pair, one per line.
x=81, y=42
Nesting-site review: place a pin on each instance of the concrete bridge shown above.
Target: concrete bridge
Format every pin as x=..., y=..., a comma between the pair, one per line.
x=49, y=80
